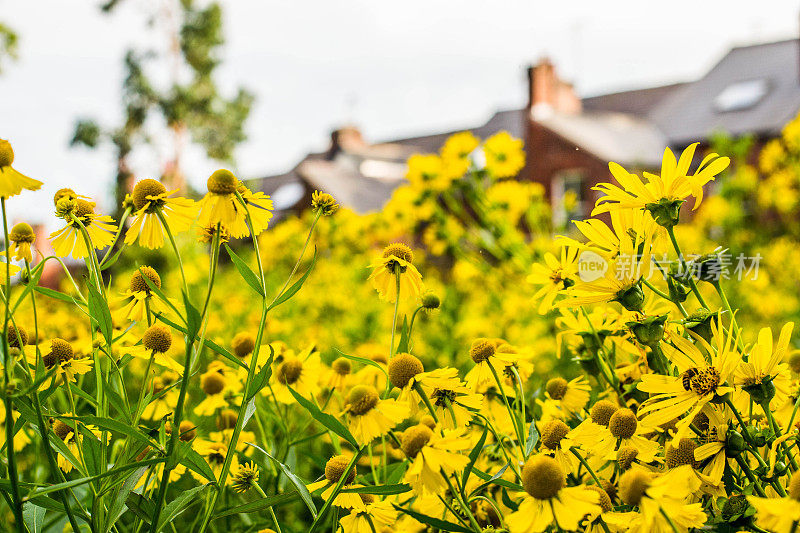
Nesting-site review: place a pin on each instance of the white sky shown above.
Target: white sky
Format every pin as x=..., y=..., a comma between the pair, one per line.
x=394, y=68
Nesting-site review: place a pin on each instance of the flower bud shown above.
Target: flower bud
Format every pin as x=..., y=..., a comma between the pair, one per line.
x=631, y=299
x=665, y=212
x=649, y=330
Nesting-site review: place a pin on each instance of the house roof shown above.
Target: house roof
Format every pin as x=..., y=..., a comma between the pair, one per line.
x=623, y=138
x=637, y=102
x=629, y=127
x=694, y=111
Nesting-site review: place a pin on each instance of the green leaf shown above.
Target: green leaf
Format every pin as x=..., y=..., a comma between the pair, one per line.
x=386, y=490
x=325, y=419
x=403, y=345
x=194, y=461
x=291, y=291
x=81, y=481
x=299, y=486
x=258, y=505
x=363, y=361
x=192, y=318
x=436, y=523
x=118, y=505
x=261, y=379
x=141, y=506
x=110, y=424
x=113, y=259
x=34, y=517
x=533, y=438
x=207, y=342
x=473, y=456
x=178, y=505
x=56, y=295
x=98, y=309
x=246, y=272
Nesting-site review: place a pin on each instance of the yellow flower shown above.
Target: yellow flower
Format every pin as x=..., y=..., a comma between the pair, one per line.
x=70, y=240
x=370, y=417
x=260, y=208
x=698, y=382
x=215, y=382
x=427, y=172
x=452, y=401
x=214, y=453
x=661, y=195
x=11, y=181
x=764, y=375
x=549, y=501
x=396, y=268
x=376, y=516
x=21, y=237
x=301, y=373
x=490, y=356
x=505, y=155
x=244, y=477
x=433, y=455
x=659, y=497
x=59, y=354
x=323, y=203
x=626, y=224
x=156, y=342
x=221, y=206
x=65, y=430
x=165, y=396
x=335, y=468
x=779, y=515
x=554, y=276
x=456, y=151
x=138, y=297
x=152, y=202
x=570, y=396
x=620, y=282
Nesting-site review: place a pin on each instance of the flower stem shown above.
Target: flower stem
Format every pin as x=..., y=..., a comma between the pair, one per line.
x=396, y=305
x=8, y=364
x=426, y=401
x=692, y=284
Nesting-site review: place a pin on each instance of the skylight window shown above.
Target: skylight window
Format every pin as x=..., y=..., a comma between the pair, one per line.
x=741, y=95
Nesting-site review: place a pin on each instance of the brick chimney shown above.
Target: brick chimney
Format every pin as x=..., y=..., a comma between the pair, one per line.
x=346, y=139
x=548, y=93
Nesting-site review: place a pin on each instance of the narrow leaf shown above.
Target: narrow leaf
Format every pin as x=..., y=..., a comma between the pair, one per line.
x=245, y=271
x=325, y=419
x=291, y=291
x=299, y=486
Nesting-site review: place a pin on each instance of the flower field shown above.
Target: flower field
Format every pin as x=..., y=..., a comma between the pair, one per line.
x=450, y=363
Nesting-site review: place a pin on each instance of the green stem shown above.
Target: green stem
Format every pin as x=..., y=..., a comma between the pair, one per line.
x=520, y=437
x=396, y=306
x=464, y=506
x=170, y=464
x=669, y=521
x=425, y=400
x=692, y=284
x=43, y=428
x=171, y=238
x=586, y=465
x=8, y=364
x=122, y=220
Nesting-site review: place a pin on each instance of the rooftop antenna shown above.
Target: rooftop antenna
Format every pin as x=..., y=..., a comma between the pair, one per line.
x=350, y=104
x=576, y=41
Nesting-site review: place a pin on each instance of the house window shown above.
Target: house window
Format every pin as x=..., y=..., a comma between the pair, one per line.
x=568, y=196
x=741, y=95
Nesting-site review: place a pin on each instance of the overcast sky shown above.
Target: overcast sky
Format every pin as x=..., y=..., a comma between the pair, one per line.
x=394, y=68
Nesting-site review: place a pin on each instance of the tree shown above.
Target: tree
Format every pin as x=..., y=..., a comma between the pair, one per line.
x=8, y=44
x=190, y=107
